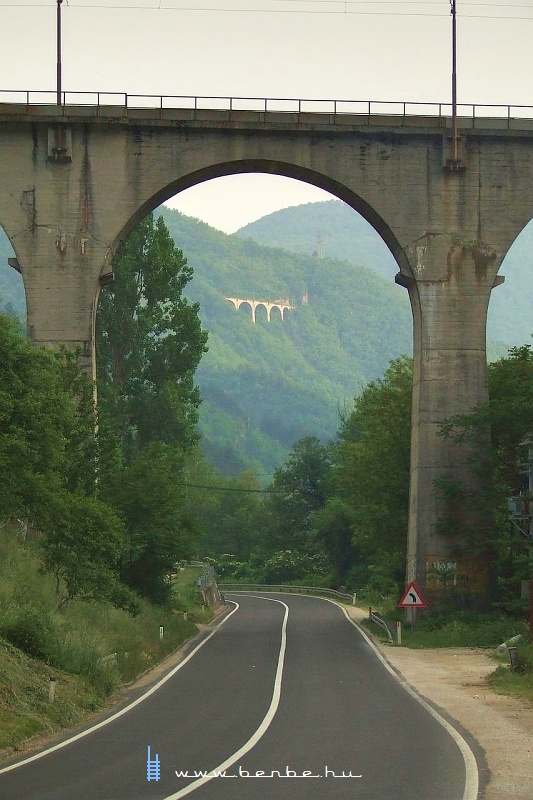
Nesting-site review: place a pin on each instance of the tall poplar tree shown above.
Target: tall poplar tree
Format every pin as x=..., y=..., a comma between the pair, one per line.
x=149, y=343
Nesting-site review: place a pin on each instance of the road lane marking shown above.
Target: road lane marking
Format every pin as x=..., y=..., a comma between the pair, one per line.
x=124, y=710
x=471, y=790
x=267, y=720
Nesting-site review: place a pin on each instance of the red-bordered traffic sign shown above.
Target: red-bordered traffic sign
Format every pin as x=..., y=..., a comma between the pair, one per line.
x=412, y=597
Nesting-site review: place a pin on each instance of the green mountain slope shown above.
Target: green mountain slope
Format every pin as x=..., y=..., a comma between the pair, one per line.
x=272, y=383
x=267, y=384
x=339, y=233
x=330, y=228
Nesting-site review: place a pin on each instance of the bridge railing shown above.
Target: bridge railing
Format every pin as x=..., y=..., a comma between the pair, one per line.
x=104, y=102
x=318, y=591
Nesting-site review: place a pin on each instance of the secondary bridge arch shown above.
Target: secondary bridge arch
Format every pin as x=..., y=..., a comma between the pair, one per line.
x=76, y=180
x=280, y=305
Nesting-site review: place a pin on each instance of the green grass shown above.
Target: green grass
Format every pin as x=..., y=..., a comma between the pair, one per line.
x=516, y=682
x=464, y=629
x=74, y=644
x=186, y=597
x=24, y=707
x=452, y=628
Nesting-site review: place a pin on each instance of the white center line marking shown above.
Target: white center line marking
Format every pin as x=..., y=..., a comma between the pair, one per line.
x=265, y=724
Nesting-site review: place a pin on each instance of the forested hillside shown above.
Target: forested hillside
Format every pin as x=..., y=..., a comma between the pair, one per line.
x=335, y=230
x=268, y=384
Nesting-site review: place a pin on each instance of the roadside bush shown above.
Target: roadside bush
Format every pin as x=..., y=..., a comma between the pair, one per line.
x=524, y=659
x=32, y=631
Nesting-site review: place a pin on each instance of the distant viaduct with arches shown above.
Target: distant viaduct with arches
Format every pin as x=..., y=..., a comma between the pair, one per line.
x=281, y=305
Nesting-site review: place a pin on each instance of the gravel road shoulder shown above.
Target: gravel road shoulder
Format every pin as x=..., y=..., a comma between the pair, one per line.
x=454, y=679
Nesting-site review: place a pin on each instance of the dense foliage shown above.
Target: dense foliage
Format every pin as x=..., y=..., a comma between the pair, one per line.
x=149, y=343
x=109, y=507
x=373, y=476
x=267, y=385
x=503, y=423
x=336, y=514
x=45, y=459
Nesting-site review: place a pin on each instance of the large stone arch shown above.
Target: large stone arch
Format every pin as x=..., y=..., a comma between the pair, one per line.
x=447, y=223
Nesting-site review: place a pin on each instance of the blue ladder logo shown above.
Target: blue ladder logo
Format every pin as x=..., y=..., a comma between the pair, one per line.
x=153, y=771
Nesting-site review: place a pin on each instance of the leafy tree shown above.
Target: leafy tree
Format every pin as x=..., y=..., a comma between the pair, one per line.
x=36, y=418
x=503, y=422
x=372, y=477
x=230, y=513
x=83, y=547
x=333, y=527
x=160, y=532
x=149, y=343
x=47, y=468
x=300, y=490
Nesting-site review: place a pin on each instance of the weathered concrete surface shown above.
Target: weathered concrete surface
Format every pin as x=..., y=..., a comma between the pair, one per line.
x=75, y=181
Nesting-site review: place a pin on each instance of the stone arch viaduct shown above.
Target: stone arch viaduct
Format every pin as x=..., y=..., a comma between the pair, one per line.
x=281, y=305
x=75, y=180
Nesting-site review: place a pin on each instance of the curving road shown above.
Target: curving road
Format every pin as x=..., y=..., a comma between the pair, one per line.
x=288, y=698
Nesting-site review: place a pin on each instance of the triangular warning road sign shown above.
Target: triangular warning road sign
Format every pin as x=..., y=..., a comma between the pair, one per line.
x=412, y=598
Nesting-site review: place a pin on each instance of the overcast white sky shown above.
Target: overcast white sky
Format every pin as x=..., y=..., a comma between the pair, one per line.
x=326, y=49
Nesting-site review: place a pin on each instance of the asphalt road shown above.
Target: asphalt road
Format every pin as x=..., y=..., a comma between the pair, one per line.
x=286, y=687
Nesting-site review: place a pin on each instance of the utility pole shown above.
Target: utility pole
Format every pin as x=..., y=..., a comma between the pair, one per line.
x=454, y=78
x=58, y=41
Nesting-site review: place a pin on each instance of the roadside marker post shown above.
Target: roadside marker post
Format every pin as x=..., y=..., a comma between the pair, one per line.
x=399, y=632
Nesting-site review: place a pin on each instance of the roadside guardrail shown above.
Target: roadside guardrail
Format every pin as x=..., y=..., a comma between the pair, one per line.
x=274, y=587
x=376, y=617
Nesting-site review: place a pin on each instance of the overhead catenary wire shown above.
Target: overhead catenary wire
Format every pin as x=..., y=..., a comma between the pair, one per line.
x=345, y=7
x=242, y=489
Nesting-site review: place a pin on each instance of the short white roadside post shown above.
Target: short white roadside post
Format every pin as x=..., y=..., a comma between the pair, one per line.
x=51, y=689
x=399, y=631
x=161, y=632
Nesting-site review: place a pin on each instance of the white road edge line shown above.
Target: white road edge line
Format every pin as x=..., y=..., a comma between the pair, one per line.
x=471, y=791
x=265, y=724
x=471, y=771
x=127, y=708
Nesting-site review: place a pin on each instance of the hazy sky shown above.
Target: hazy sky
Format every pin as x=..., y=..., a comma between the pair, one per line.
x=270, y=48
